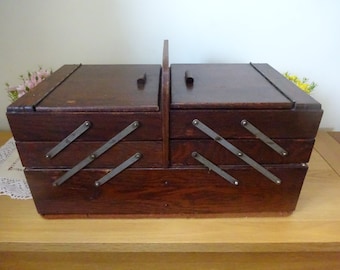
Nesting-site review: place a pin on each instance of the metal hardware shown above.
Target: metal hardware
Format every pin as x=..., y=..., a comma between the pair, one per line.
x=68, y=140
x=118, y=169
x=101, y=150
x=213, y=167
x=264, y=138
x=237, y=152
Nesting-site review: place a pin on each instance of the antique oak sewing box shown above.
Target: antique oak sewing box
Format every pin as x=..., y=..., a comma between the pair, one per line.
x=150, y=140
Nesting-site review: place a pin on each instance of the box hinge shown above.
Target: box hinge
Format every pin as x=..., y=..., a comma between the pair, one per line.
x=237, y=152
x=215, y=168
x=264, y=138
x=101, y=150
x=127, y=163
x=68, y=140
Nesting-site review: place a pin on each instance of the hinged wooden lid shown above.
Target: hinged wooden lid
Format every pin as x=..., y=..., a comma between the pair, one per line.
x=234, y=86
x=96, y=88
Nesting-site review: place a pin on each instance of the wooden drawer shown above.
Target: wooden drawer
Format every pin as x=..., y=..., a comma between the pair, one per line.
x=298, y=151
x=167, y=192
x=33, y=154
x=276, y=124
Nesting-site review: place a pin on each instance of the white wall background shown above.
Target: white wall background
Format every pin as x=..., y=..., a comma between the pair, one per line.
x=300, y=36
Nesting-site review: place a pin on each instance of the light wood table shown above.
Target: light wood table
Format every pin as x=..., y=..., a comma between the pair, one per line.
x=308, y=239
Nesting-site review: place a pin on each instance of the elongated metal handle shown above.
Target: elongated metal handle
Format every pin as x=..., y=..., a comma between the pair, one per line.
x=213, y=167
x=127, y=163
x=237, y=152
x=264, y=138
x=101, y=150
x=68, y=140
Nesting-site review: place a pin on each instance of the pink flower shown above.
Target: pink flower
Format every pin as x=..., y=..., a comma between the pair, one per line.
x=21, y=89
x=42, y=74
x=32, y=81
x=29, y=84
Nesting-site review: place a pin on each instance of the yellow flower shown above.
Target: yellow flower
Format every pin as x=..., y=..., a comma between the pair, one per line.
x=302, y=84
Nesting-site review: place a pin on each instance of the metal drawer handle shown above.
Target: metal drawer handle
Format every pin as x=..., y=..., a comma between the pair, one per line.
x=213, y=167
x=237, y=152
x=68, y=140
x=101, y=150
x=264, y=138
x=127, y=163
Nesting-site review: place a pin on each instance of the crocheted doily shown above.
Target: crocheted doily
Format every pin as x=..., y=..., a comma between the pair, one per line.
x=12, y=178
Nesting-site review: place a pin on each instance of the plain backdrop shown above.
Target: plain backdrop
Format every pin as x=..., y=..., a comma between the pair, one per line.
x=299, y=36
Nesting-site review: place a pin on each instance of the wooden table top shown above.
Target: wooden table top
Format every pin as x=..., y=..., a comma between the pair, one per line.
x=314, y=226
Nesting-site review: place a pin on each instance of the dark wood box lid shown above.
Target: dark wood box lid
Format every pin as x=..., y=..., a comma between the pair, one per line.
x=234, y=86
x=95, y=88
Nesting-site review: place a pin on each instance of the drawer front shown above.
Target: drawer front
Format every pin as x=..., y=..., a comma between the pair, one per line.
x=299, y=151
x=33, y=154
x=38, y=126
x=162, y=192
x=285, y=124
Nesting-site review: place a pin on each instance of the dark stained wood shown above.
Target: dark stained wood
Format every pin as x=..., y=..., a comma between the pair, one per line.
x=165, y=95
x=236, y=86
x=167, y=192
x=298, y=151
x=106, y=88
x=301, y=100
x=288, y=124
x=29, y=101
x=32, y=154
x=50, y=126
x=167, y=180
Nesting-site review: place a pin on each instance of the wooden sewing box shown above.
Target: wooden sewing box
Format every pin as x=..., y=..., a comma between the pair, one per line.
x=186, y=140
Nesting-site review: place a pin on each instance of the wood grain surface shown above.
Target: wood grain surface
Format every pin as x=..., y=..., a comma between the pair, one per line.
x=314, y=226
x=308, y=239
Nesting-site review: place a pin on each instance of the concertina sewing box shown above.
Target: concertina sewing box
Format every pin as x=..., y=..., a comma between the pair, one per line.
x=186, y=140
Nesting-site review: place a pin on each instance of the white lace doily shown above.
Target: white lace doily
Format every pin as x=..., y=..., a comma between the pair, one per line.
x=12, y=178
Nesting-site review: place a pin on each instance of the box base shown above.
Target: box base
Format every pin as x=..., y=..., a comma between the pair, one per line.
x=171, y=192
